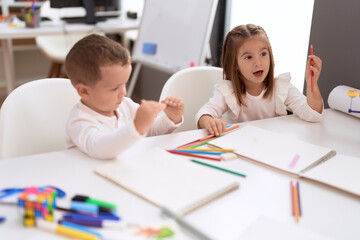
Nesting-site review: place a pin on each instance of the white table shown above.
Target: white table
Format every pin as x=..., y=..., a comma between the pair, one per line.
x=54, y=28
x=263, y=192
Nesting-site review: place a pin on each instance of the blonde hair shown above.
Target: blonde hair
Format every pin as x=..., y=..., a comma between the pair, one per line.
x=233, y=41
x=89, y=54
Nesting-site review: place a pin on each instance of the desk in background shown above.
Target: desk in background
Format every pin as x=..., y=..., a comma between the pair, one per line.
x=326, y=212
x=119, y=25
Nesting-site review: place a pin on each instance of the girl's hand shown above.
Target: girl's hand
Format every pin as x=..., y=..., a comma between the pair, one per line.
x=213, y=125
x=316, y=68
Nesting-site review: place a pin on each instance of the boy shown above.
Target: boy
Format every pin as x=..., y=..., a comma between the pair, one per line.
x=105, y=122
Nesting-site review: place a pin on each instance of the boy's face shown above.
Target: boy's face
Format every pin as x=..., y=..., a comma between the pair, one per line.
x=107, y=94
x=253, y=59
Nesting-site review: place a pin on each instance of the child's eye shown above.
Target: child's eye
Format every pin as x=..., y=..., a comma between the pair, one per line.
x=263, y=54
x=114, y=89
x=247, y=57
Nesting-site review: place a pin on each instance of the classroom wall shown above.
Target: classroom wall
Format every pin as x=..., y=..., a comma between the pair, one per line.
x=26, y=69
x=335, y=35
x=150, y=81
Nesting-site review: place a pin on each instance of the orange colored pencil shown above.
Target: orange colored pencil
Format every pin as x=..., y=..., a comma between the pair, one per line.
x=213, y=135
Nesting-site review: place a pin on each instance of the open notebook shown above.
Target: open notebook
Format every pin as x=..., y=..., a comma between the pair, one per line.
x=295, y=157
x=167, y=180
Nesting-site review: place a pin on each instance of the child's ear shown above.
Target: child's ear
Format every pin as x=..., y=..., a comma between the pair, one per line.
x=83, y=91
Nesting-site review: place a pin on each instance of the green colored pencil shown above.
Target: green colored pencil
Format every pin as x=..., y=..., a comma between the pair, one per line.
x=223, y=169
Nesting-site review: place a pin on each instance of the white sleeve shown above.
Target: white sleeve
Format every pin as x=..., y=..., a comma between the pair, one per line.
x=91, y=139
x=297, y=103
x=163, y=125
x=215, y=107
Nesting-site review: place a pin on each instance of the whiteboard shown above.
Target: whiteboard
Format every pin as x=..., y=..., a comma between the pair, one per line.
x=180, y=31
x=287, y=24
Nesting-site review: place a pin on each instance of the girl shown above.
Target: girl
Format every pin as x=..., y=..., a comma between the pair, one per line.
x=249, y=90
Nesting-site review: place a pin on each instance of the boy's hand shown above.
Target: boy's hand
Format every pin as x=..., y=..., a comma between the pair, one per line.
x=213, y=125
x=174, y=108
x=146, y=115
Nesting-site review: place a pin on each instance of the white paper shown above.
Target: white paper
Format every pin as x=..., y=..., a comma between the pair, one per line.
x=340, y=100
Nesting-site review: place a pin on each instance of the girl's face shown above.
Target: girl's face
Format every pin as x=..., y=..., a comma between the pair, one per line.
x=253, y=60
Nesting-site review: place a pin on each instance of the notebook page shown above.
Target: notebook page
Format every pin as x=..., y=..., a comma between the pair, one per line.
x=273, y=149
x=168, y=180
x=341, y=172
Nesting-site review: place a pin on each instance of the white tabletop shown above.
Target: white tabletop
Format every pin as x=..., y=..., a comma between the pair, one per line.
x=263, y=193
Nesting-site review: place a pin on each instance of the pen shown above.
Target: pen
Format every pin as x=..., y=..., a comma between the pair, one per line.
x=80, y=228
x=95, y=223
x=312, y=64
x=100, y=216
x=100, y=203
x=184, y=224
x=66, y=231
x=216, y=167
x=84, y=207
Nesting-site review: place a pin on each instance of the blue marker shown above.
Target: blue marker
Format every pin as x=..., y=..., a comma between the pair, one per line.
x=2, y=219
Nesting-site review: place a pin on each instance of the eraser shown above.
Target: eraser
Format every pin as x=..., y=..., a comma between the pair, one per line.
x=149, y=48
x=228, y=156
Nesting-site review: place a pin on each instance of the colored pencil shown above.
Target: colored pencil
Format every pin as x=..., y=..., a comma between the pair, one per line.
x=226, y=130
x=203, y=142
x=312, y=72
x=216, y=167
x=197, y=152
x=292, y=198
x=296, y=203
x=210, y=149
x=194, y=155
x=298, y=191
x=200, y=142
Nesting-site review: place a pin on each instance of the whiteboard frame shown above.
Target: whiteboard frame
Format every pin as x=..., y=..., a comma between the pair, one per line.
x=154, y=61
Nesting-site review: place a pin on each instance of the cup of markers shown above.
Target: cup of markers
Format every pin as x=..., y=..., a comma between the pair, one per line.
x=31, y=16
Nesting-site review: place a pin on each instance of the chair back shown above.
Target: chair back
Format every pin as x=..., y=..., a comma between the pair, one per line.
x=34, y=115
x=195, y=86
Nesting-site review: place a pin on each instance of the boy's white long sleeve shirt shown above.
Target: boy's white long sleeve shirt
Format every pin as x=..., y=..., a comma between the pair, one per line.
x=105, y=137
x=285, y=96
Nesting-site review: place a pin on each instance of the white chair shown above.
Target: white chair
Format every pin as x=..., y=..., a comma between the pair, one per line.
x=33, y=117
x=57, y=47
x=194, y=86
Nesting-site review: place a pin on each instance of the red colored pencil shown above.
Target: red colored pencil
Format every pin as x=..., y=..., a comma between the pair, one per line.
x=194, y=155
x=312, y=72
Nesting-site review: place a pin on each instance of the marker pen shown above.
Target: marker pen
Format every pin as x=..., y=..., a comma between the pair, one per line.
x=100, y=203
x=66, y=231
x=94, y=223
